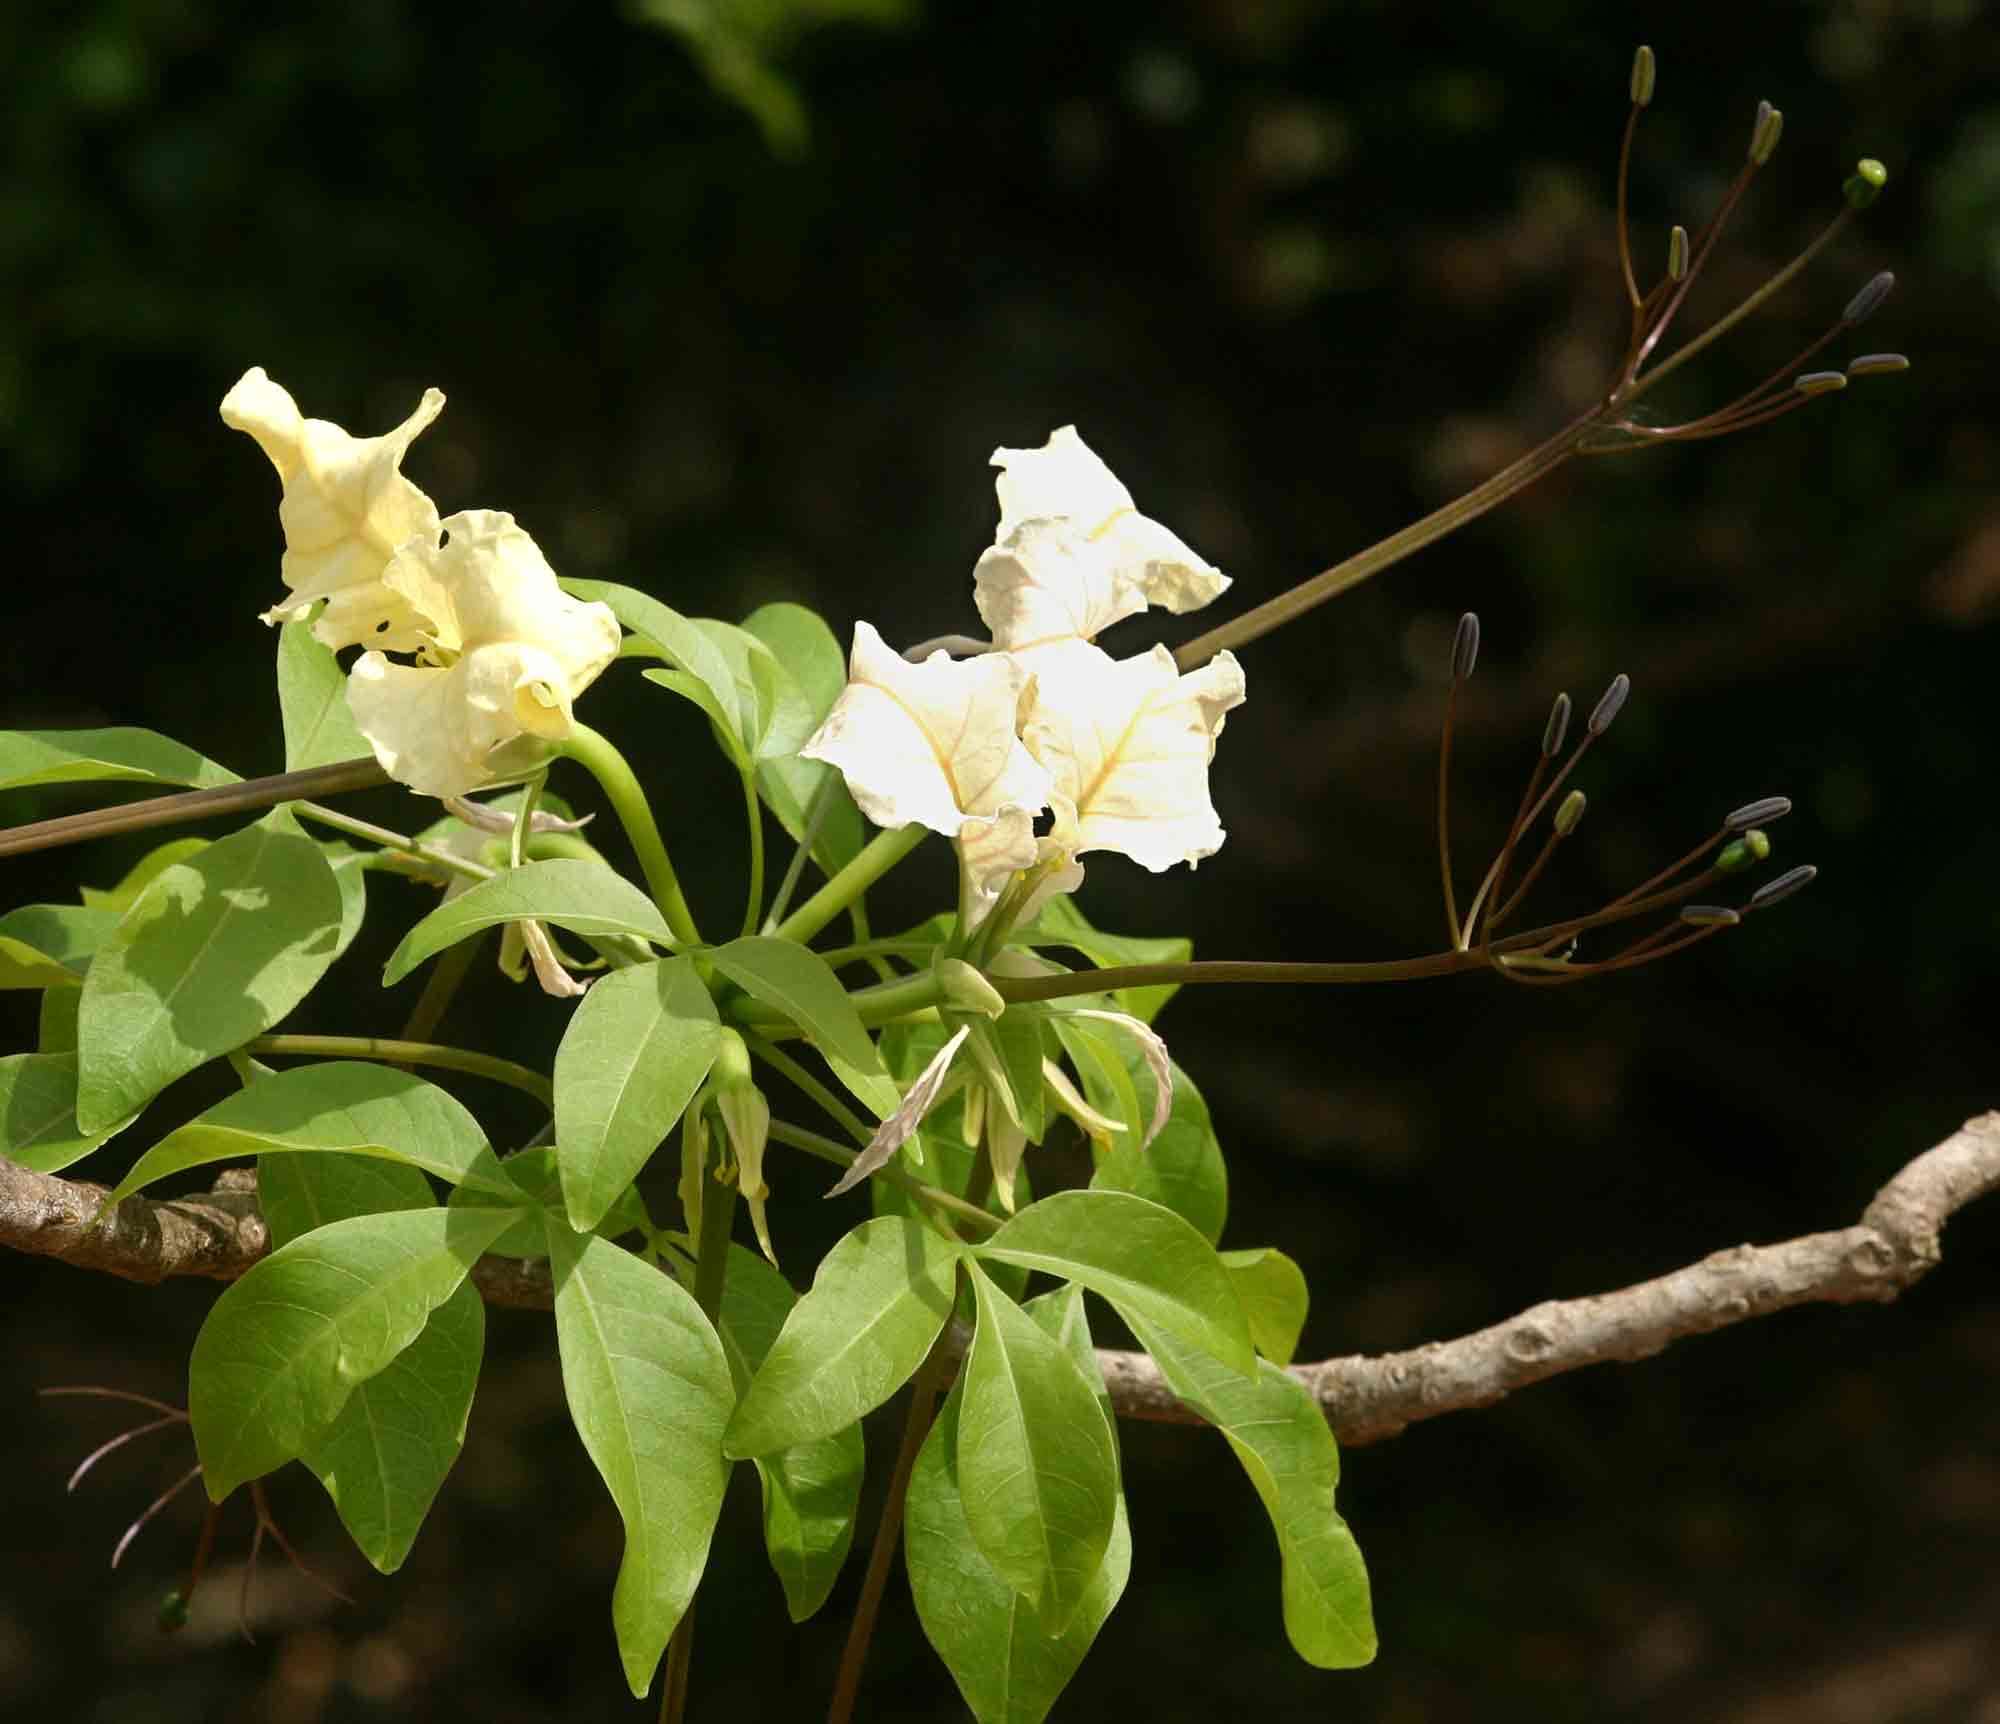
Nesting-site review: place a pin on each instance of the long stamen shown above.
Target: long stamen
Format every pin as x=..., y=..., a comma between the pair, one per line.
x=1464, y=655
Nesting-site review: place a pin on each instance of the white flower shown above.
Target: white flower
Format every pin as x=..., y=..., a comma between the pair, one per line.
x=504, y=653
x=1127, y=743
x=346, y=511
x=934, y=744
x=1073, y=555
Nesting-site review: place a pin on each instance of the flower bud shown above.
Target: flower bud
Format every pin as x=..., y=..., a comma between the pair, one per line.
x=1644, y=73
x=1764, y=134
x=1869, y=300
x=1709, y=916
x=1556, y=729
x=1609, y=705
x=965, y=988
x=1765, y=808
x=1865, y=184
x=1778, y=890
x=1465, y=647
x=1744, y=852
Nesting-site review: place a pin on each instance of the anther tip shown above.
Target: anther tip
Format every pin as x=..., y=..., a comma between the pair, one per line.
x=1776, y=891
x=1644, y=72
x=1557, y=728
x=1869, y=300
x=1764, y=134
x=1819, y=382
x=1759, y=813
x=1709, y=916
x=1465, y=647
x=1878, y=364
x=1609, y=704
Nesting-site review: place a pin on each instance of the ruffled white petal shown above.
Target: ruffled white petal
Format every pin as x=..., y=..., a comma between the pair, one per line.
x=934, y=745
x=346, y=509
x=1117, y=563
x=1128, y=742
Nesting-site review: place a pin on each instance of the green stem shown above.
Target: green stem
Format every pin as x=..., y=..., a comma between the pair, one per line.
x=825, y=1149
x=193, y=805
x=403, y=1053
x=396, y=841
x=604, y=763
x=1289, y=606
x=876, y=858
x=711, y=1266
x=754, y=902
x=440, y=987
x=930, y=1380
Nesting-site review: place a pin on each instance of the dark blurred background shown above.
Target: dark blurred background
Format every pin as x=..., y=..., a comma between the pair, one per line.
x=734, y=307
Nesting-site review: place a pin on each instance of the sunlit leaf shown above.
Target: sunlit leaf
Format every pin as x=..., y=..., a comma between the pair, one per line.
x=586, y=897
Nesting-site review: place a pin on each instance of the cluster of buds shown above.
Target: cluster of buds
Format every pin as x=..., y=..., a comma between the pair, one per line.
x=1549, y=954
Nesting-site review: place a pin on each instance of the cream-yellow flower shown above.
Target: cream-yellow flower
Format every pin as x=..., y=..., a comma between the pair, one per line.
x=346, y=511
x=503, y=652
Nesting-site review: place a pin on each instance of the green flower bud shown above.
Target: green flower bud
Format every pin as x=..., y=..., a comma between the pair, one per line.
x=1865, y=184
x=1744, y=852
x=965, y=988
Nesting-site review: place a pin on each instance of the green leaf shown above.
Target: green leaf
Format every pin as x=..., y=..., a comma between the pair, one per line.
x=691, y=688
x=1037, y=1465
x=1017, y=1039
x=684, y=644
x=312, y=699
x=1272, y=1289
x=637, y=1048
x=1281, y=1437
x=350, y=874
x=810, y=1490
x=214, y=952
x=38, y=1126
x=1008, y=1666
x=790, y=979
x=1182, y=1167
x=586, y=897
x=142, y=874
x=51, y=945
x=385, y=1457
x=55, y=1030
x=815, y=672
x=298, y=1193
x=650, y=1391
x=1143, y=1258
x=348, y=1106
x=122, y=754
x=876, y=1304
x=285, y=1346
x=1060, y=923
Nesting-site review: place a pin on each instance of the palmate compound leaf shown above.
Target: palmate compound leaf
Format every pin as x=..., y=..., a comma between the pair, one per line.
x=350, y=1106
x=876, y=1304
x=1143, y=1258
x=386, y=1455
x=585, y=897
x=215, y=951
x=1280, y=1435
x=637, y=1048
x=1008, y=1666
x=810, y=1489
x=650, y=1391
x=119, y=754
x=1037, y=1463
x=285, y=1347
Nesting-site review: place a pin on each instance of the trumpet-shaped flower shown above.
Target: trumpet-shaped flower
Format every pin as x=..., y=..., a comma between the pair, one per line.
x=934, y=744
x=504, y=654
x=1073, y=555
x=1127, y=743
x=346, y=511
